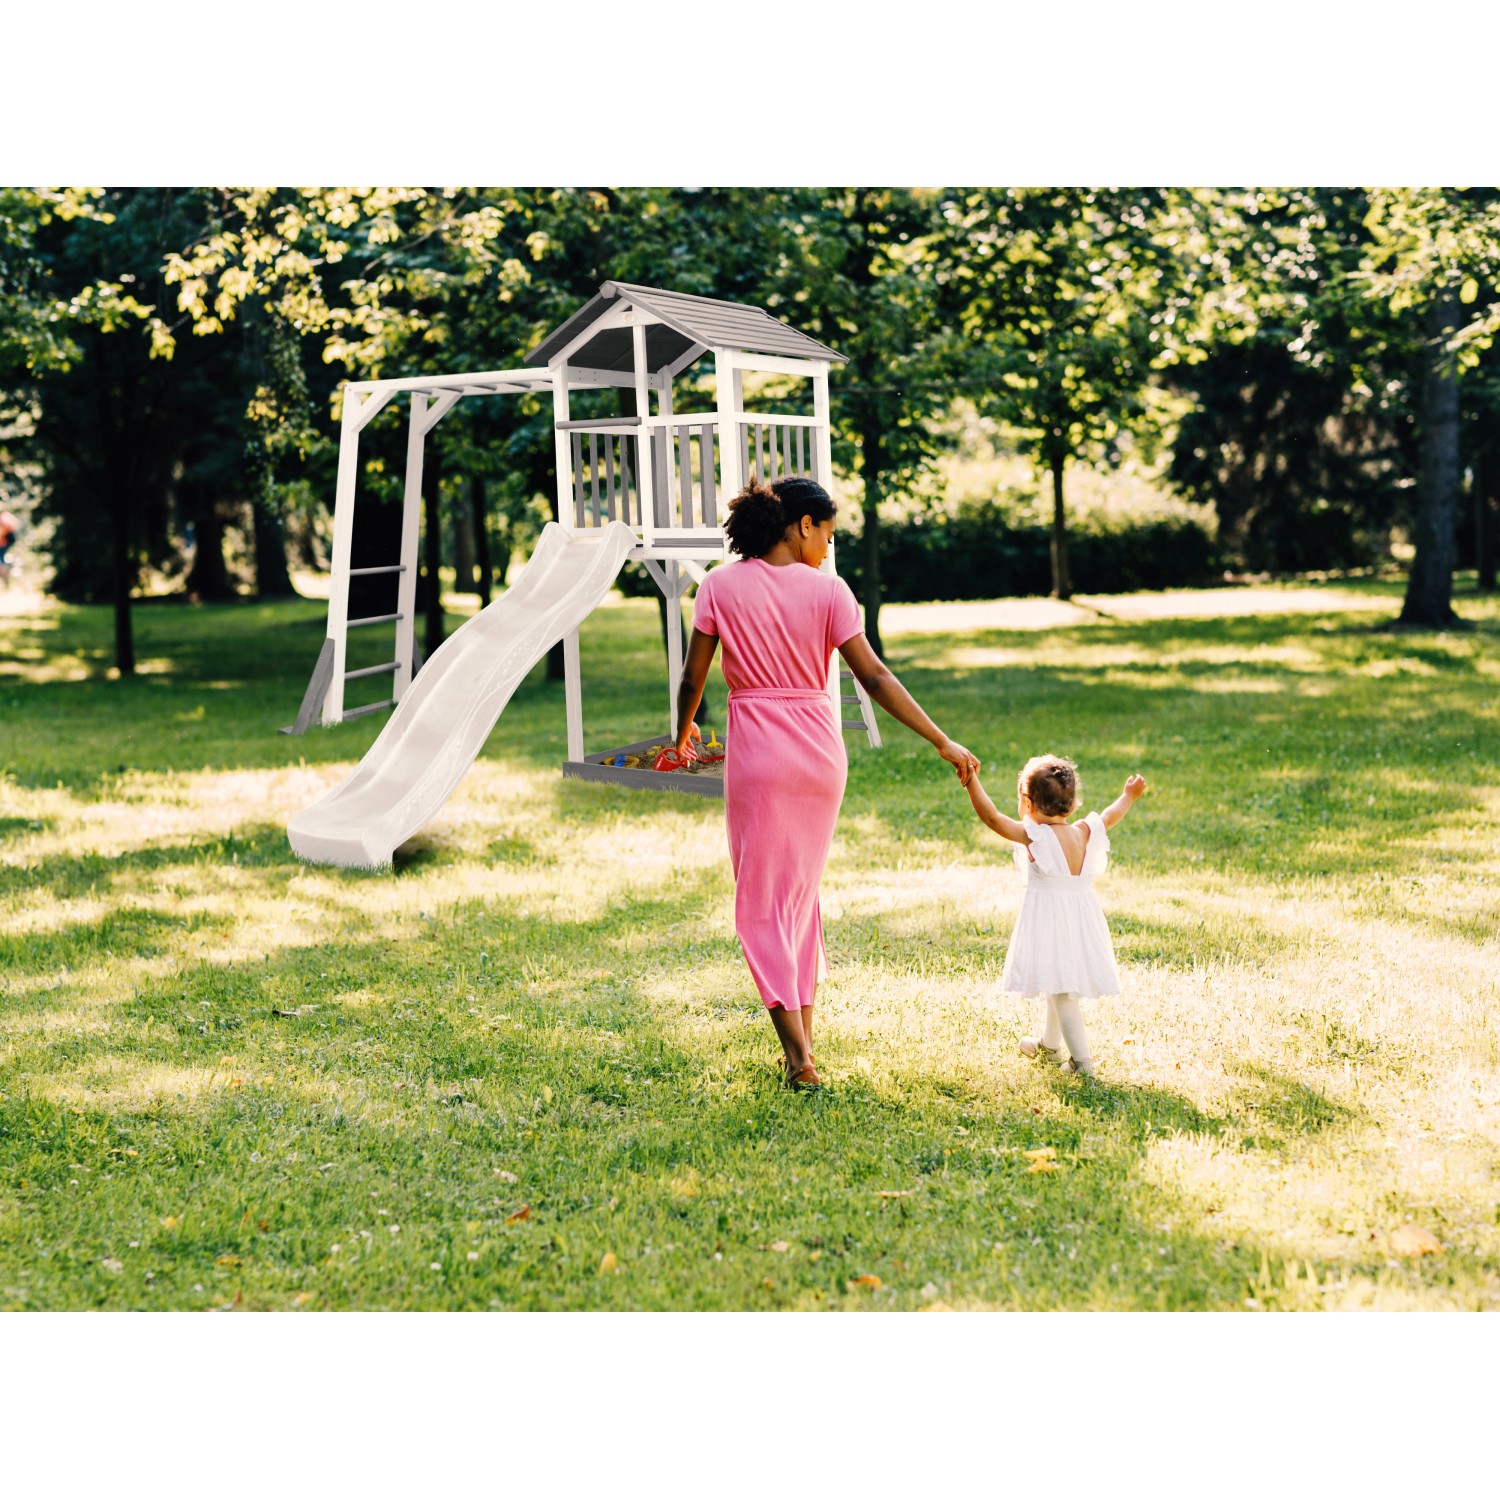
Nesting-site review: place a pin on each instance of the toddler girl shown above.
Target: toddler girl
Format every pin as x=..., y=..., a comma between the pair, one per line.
x=1061, y=949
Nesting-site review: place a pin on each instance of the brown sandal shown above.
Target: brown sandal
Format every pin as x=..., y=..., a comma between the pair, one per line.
x=806, y=1077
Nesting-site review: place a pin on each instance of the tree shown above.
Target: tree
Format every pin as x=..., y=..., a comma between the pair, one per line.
x=854, y=268
x=1071, y=299
x=1301, y=429
x=1434, y=249
x=115, y=418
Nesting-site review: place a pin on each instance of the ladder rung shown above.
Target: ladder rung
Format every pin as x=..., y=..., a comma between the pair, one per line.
x=389, y=666
x=855, y=724
x=851, y=698
x=846, y=674
x=369, y=708
x=373, y=620
x=366, y=572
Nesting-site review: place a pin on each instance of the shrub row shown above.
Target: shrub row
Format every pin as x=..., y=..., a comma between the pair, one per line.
x=976, y=555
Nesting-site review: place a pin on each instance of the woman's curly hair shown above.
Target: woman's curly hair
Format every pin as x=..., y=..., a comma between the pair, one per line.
x=759, y=515
x=1052, y=784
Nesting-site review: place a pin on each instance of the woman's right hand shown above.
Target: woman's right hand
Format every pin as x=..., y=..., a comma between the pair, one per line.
x=965, y=764
x=688, y=731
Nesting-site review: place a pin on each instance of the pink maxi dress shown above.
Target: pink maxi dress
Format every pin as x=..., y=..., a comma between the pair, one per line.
x=785, y=766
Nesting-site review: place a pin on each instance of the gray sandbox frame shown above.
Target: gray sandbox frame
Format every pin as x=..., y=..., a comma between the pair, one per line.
x=592, y=768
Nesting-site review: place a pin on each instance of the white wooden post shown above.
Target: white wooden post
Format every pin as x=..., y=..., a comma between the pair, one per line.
x=562, y=445
x=573, y=695
x=411, y=522
x=821, y=434
x=673, y=592
x=726, y=386
x=669, y=445
x=343, y=536
x=645, y=457
x=823, y=444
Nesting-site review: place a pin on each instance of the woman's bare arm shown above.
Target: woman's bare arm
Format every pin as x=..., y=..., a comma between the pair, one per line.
x=700, y=657
x=885, y=688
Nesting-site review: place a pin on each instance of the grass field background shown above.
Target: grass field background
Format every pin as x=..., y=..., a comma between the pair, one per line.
x=526, y=1068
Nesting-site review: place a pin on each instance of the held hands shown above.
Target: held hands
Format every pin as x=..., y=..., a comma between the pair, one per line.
x=965, y=765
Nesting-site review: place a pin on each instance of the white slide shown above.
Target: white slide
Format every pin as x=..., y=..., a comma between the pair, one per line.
x=437, y=729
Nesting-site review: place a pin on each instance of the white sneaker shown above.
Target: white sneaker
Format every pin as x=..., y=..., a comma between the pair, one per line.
x=1034, y=1048
x=1083, y=1070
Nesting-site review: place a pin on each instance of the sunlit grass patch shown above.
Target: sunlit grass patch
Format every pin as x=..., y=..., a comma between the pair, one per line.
x=527, y=1068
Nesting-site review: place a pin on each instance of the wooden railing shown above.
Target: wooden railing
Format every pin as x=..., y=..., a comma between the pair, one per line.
x=773, y=447
x=686, y=467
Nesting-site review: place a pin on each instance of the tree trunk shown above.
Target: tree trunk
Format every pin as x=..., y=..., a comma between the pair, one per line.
x=1429, y=588
x=1062, y=581
x=1486, y=515
x=208, y=577
x=124, y=579
x=272, y=581
x=463, y=543
x=481, y=531
x=432, y=537
x=872, y=464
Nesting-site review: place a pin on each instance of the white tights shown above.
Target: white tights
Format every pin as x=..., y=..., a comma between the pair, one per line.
x=1064, y=1023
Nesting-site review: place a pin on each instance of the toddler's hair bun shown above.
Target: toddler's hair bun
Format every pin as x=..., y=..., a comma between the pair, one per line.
x=1051, y=783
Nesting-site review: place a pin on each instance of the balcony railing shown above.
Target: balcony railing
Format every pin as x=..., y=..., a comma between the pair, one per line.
x=687, y=501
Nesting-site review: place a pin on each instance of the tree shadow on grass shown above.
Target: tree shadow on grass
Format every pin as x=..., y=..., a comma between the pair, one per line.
x=131, y=932
x=501, y=1084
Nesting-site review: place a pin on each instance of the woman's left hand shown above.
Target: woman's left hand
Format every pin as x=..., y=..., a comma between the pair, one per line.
x=964, y=763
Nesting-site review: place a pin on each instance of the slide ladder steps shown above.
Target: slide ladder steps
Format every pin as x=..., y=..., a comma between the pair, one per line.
x=866, y=719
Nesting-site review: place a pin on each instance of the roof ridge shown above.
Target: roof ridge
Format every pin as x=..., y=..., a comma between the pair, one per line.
x=663, y=291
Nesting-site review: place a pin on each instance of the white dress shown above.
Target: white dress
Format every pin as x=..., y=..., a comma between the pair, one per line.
x=1061, y=945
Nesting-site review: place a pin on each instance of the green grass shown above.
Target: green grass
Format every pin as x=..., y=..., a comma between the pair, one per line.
x=534, y=1045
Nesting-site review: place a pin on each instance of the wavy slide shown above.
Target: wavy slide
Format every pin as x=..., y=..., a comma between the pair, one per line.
x=441, y=724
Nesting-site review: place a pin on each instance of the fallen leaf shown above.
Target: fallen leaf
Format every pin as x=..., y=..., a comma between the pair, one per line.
x=110, y=1264
x=608, y=1263
x=1041, y=1153
x=171, y=1222
x=893, y=1193
x=227, y=1260
x=1044, y=1166
x=523, y=1212
x=546, y=1094
x=301, y=1299
x=816, y=1255
x=870, y=1282
x=262, y=1225
x=131, y=1151
x=505, y=1176
x=1412, y=1239
x=766, y=1282
x=779, y=1246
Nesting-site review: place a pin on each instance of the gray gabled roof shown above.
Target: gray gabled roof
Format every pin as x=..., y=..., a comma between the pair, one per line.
x=685, y=321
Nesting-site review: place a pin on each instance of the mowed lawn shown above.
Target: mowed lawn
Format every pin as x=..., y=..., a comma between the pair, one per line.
x=526, y=1068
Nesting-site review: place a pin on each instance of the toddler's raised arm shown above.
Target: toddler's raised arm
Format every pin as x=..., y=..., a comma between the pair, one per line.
x=992, y=817
x=1134, y=786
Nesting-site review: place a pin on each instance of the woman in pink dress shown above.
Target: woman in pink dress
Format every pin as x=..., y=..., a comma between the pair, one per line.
x=780, y=620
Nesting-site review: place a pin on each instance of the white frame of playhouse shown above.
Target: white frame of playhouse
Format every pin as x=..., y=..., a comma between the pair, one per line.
x=670, y=490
